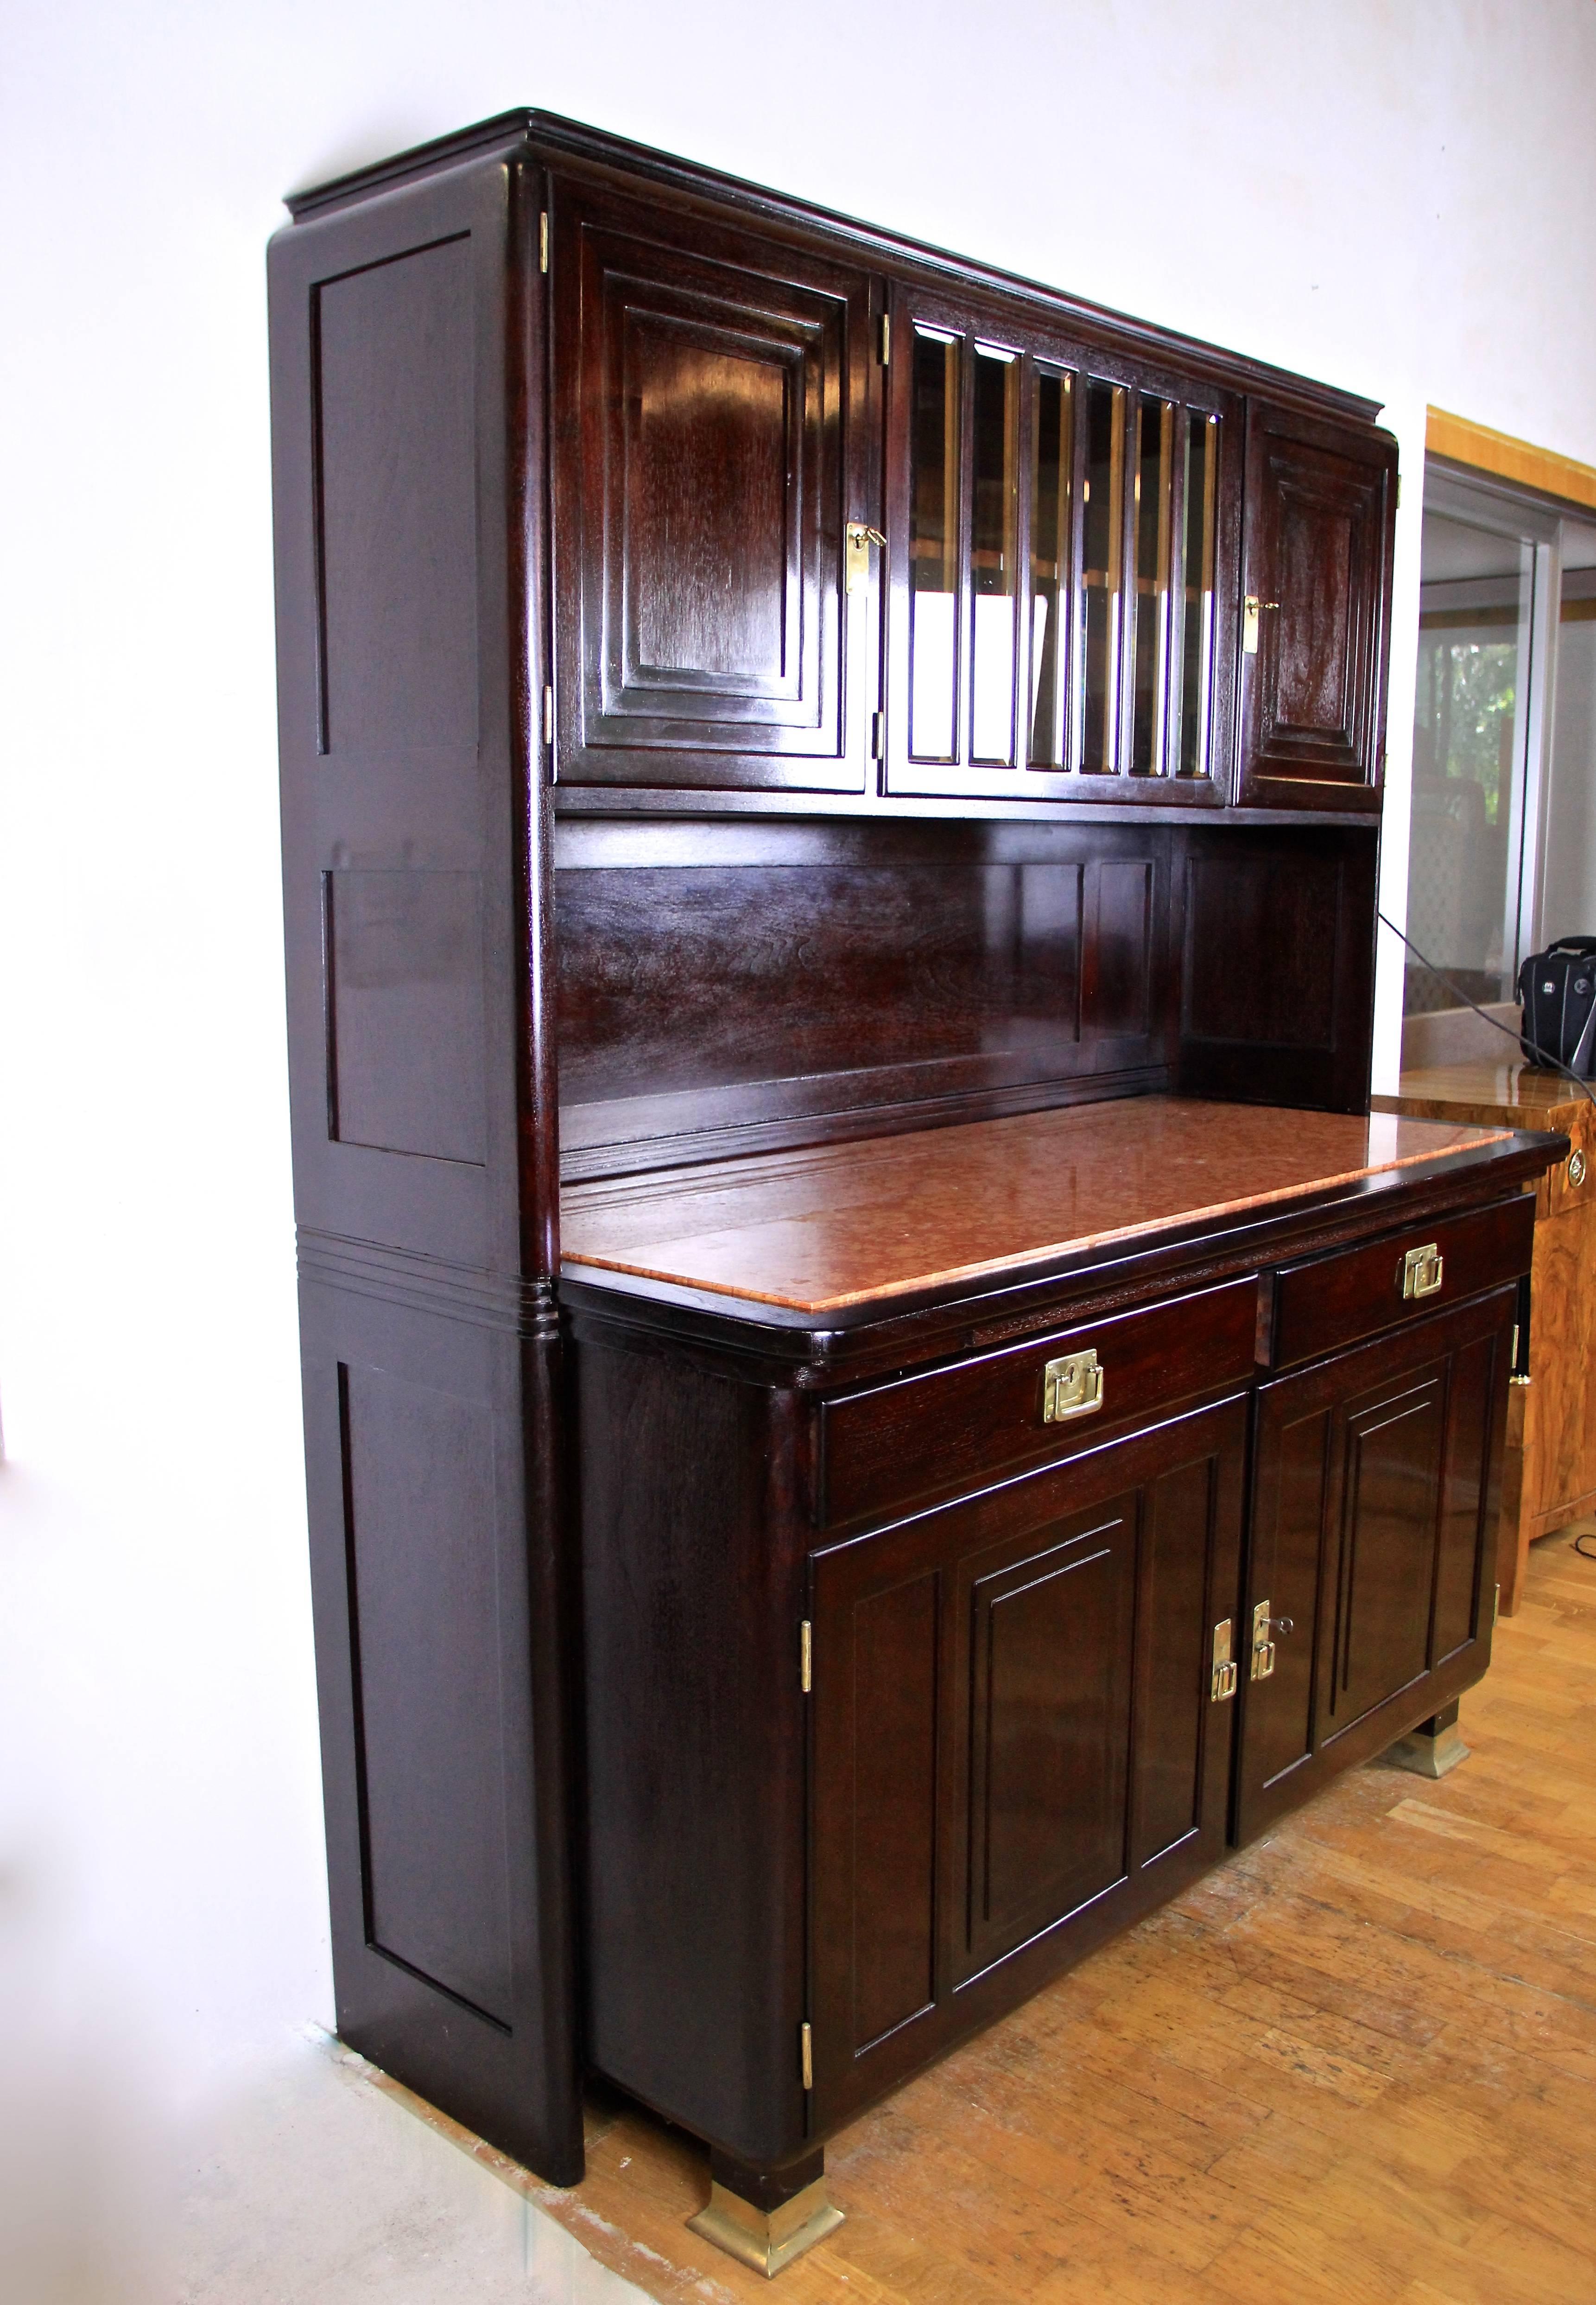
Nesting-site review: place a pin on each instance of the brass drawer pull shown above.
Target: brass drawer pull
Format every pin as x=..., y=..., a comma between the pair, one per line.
x=1072, y=1386
x=1420, y=1270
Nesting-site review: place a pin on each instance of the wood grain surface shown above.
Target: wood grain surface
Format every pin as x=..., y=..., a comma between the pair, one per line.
x=838, y=1225
x=1554, y=1480
x=1352, y=2067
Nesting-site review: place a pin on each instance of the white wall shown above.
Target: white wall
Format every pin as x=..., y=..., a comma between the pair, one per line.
x=1399, y=198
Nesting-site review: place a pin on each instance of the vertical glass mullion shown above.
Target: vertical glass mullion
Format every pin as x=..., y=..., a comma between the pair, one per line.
x=935, y=428
x=1152, y=489
x=993, y=592
x=1050, y=552
x=1102, y=580
x=1189, y=748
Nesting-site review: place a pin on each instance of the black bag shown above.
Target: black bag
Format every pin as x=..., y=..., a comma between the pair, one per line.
x=1557, y=991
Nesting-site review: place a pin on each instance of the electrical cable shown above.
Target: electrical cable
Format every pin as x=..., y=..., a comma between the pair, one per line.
x=1543, y=1056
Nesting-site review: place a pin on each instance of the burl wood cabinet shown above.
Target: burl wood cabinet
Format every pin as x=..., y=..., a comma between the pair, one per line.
x=873, y=1397
x=1549, y=1477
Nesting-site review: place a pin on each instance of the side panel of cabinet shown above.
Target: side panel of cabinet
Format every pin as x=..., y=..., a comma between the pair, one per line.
x=1017, y=1744
x=1321, y=504
x=1375, y=1495
x=406, y=366
x=713, y=413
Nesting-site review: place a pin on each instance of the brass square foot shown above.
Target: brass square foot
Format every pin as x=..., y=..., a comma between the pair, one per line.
x=1428, y=1756
x=767, y=2241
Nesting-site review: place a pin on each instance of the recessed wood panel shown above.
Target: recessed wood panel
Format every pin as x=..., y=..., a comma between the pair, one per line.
x=1464, y=1531
x=396, y=453
x=406, y=1062
x=1173, y=1656
x=895, y=1807
x=690, y=979
x=1117, y=992
x=1260, y=939
x=711, y=476
x=421, y=1533
x=1388, y=1551
x=1050, y=1691
x=1317, y=563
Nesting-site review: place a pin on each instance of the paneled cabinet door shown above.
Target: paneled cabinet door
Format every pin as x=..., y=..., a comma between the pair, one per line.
x=1018, y=1743
x=1375, y=1498
x=1321, y=502
x=714, y=421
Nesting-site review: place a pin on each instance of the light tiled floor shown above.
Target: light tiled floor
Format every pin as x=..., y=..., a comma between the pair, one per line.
x=314, y=2186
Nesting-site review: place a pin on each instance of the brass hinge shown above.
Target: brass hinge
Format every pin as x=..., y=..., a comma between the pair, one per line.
x=1222, y=1683
x=806, y=2051
x=549, y=716
x=887, y=339
x=806, y=1656
x=543, y=242
x=878, y=735
x=1496, y=1604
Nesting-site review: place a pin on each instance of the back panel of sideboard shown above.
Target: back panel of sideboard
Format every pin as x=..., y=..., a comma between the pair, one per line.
x=729, y=987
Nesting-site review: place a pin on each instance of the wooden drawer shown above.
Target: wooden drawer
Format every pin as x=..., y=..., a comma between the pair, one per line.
x=951, y=1429
x=1331, y=1301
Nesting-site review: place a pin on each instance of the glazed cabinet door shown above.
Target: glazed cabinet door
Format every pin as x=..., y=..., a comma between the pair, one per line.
x=1019, y=1742
x=714, y=424
x=1061, y=565
x=1316, y=577
x=1371, y=1551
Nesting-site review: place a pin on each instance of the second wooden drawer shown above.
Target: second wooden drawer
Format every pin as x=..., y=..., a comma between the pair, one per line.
x=952, y=1428
x=1331, y=1301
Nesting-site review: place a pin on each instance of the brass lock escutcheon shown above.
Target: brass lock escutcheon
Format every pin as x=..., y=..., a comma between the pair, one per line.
x=1072, y=1386
x=1576, y=1168
x=1222, y=1682
x=1421, y=1274
x=857, y=557
x=1263, y=1648
x=1253, y=609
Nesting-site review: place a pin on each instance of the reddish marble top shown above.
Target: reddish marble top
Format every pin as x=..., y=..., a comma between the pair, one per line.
x=838, y=1225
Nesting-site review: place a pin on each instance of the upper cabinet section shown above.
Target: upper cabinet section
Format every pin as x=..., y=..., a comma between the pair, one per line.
x=713, y=425
x=1062, y=530
x=1321, y=502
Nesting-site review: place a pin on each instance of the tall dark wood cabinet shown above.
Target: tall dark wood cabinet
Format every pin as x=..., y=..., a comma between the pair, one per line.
x=819, y=780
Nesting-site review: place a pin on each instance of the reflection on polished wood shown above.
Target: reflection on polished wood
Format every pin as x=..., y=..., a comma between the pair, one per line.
x=835, y=1226
x=1353, y=2064
x=1554, y=1480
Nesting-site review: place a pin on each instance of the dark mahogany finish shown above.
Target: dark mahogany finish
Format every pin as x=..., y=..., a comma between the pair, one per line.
x=1336, y=1300
x=1015, y=1746
x=1321, y=504
x=936, y=1434
x=606, y=847
x=713, y=415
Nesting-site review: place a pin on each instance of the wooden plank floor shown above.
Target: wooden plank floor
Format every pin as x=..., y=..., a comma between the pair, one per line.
x=1354, y=2066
